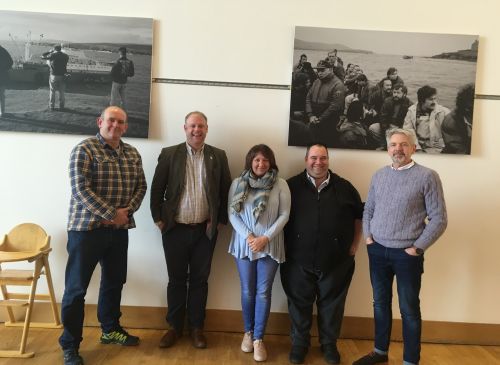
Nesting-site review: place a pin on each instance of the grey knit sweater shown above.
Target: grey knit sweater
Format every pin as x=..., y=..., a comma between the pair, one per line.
x=405, y=208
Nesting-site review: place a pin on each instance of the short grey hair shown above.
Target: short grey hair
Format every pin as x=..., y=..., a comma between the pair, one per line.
x=410, y=133
x=196, y=112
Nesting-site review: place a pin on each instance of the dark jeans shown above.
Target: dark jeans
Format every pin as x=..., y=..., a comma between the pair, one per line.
x=329, y=289
x=85, y=249
x=256, y=280
x=188, y=253
x=385, y=263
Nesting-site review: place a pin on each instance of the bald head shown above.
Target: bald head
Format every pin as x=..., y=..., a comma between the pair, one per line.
x=115, y=109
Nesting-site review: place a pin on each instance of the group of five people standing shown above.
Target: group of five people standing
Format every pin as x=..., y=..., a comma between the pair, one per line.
x=310, y=224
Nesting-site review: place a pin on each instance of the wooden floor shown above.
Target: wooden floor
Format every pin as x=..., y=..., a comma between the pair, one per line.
x=223, y=348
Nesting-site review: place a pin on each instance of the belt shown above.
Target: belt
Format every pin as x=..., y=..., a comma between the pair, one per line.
x=193, y=225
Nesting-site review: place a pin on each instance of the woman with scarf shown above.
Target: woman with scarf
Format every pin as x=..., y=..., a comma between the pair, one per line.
x=259, y=208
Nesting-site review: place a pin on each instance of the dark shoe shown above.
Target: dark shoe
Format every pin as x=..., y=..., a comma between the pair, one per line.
x=71, y=357
x=169, y=338
x=119, y=337
x=198, y=338
x=330, y=353
x=298, y=354
x=371, y=359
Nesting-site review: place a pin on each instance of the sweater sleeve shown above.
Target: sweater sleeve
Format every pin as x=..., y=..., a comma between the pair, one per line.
x=369, y=209
x=436, y=212
x=238, y=225
x=283, y=211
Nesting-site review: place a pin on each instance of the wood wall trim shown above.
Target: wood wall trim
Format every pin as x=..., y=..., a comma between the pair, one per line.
x=219, y=320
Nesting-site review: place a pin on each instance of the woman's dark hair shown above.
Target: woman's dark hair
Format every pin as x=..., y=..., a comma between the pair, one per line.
x=465, y=99
x=265, y=151
x=355, y=111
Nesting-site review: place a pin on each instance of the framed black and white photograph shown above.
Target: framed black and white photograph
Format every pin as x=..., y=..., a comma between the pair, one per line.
x=59, y=71
x=350, y=86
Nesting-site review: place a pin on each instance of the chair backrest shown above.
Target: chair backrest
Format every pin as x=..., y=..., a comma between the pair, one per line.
x=26, y=237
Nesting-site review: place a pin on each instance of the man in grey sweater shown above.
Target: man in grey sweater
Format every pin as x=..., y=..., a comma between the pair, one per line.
x=404, y=215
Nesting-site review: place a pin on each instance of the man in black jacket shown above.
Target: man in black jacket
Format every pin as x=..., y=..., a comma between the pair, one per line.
x=392, y=115
x=324, y=104
x=120, y=72
x=57, y=62
x=5, y=65
x=321, y=239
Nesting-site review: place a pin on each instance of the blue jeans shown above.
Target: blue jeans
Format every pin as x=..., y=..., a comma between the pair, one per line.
x=256, y=279
x=85, y=249
x=385, y=263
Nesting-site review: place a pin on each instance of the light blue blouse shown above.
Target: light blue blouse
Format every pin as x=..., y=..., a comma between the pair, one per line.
x=271, y=223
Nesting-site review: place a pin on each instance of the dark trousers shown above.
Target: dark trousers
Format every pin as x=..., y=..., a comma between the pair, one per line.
x=329, y=289
x=188, y=253
x=385, y=263
x=85, y=249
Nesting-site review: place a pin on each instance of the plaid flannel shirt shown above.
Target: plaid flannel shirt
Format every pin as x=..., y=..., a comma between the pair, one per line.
x=102, y=180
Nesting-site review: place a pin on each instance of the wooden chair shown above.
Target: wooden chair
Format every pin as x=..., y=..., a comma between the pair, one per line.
x=26, y=242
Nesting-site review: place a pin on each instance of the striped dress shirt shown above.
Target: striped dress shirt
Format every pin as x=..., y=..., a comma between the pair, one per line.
x=193, y=204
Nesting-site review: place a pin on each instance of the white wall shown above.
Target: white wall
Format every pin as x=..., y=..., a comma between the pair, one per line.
x=252, y=41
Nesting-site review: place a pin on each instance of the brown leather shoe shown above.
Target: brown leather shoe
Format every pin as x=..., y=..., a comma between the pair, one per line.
x=169, y=338
x=198, y=338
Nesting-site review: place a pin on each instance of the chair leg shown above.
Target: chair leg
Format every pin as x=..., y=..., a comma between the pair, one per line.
x=29, y=310
x=48, y=275
x=5, y=294
x=10, y=312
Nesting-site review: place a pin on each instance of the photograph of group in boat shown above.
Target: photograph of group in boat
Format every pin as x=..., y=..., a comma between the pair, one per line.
x=349, y=87
x=59, y=71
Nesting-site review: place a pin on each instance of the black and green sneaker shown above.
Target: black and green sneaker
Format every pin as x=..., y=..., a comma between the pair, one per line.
x=119, y=337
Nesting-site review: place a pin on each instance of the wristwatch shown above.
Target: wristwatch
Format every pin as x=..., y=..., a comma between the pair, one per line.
x=419, y=251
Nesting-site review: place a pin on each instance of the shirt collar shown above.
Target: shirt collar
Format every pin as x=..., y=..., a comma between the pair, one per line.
x=323, y=184
x=192, y=152
x=405, y=167
x=106, y=144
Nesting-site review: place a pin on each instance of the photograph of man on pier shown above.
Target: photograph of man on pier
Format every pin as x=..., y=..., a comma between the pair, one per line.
x=66, y=69
x=348, y=87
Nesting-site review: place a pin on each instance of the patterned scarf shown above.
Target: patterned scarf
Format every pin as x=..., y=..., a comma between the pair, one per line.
x=262, y=186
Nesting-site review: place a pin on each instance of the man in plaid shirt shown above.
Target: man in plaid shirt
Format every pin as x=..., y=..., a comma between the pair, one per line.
x=107, y=187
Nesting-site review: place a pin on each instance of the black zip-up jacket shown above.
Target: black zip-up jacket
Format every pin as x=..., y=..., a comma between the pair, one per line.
x=321, y=226
x=58, y=62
